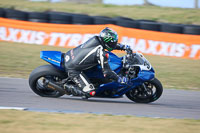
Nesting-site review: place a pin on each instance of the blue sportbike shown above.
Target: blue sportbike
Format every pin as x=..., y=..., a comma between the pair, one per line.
x=142, y=86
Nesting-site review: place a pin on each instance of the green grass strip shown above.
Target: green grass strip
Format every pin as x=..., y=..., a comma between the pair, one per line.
x=13, y=121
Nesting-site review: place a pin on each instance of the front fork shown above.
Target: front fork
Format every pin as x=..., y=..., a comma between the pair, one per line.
x=145, y=90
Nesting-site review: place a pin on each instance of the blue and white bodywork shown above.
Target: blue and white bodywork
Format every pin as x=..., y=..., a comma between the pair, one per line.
x=145, y=72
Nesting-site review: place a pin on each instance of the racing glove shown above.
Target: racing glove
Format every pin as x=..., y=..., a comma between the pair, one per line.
x=126, y=48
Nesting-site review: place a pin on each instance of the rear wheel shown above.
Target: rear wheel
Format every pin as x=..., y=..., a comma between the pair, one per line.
x=38, y=77
x=150, y=91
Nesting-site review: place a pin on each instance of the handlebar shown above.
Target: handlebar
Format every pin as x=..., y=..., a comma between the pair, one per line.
x=129, y=51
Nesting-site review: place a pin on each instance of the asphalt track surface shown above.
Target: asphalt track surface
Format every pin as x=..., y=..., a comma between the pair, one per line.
x=173, y=103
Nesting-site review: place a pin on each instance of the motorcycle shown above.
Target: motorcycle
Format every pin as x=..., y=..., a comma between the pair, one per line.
x=142, y=86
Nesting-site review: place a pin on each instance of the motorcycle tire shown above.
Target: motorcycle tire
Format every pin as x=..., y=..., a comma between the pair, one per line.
x=154, y=26
x=191, y=29
x=171, y=28
x=60, y=18
x=2, y=12
x=38, y=17
x=45, y=71
x=128, y=23
x=82, y=19
x=16, y=14
x=103, y=20
x=134, y=95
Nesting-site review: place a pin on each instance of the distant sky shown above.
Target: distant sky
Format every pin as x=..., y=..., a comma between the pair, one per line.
x=168, y=3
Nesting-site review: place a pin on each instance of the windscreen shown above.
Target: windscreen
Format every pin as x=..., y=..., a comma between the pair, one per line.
x=140, y=60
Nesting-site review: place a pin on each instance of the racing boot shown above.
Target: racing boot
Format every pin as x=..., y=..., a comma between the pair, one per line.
x=89, y=91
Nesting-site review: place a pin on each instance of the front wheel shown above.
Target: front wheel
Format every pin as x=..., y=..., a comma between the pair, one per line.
x=150, y=91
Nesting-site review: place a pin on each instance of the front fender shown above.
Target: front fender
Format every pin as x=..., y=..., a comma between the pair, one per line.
x=146, y=75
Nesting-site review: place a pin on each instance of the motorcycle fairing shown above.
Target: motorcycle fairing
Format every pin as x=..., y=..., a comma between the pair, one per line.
x=120, y=89
x=115, y=62
x=53, y=57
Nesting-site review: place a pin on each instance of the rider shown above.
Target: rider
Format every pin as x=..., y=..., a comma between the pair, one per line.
x=89, y=54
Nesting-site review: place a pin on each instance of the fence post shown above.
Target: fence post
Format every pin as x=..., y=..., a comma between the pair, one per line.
x=196, y=2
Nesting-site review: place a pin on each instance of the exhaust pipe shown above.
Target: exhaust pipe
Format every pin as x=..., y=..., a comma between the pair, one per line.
x=54, y=86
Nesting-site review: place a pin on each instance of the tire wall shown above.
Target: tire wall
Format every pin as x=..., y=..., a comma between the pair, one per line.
x=83, y=19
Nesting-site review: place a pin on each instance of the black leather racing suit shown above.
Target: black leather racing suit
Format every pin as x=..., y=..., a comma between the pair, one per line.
x=85, y=56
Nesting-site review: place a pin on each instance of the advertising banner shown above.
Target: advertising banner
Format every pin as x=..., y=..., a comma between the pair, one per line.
x=69, y=36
